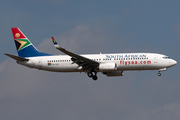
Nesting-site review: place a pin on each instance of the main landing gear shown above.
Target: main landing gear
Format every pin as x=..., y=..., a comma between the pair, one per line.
x=93, y=76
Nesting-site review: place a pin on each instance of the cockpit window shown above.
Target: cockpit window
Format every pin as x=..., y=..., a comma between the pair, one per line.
x=166, y=57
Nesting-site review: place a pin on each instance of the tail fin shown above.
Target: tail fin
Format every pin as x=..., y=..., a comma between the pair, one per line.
x=24, y=47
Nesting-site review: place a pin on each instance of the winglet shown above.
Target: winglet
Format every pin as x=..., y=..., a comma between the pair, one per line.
x=55, y=43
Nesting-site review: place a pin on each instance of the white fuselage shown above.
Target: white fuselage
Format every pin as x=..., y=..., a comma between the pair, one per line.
x=124, y=62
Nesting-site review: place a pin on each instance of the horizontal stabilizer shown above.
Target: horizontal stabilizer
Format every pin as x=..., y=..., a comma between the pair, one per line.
x=17, y=57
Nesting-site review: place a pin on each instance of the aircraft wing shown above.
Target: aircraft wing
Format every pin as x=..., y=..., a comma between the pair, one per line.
x=84, y=62
x=17, y=57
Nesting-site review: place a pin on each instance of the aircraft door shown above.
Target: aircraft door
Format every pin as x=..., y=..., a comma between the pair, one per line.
x=155, y=59
x=40, y=62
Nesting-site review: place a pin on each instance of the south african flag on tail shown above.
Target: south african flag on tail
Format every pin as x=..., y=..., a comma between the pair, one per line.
x=24, y=47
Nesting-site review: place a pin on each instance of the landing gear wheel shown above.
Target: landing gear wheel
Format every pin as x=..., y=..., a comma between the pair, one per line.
x=159, y=74
x=94, y=77
x=90, y=74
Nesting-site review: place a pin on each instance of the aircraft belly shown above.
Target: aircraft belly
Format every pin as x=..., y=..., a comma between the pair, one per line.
x=58, y=67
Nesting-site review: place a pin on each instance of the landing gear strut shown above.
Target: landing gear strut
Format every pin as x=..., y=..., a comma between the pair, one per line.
x=93, y=76
x=163, y=69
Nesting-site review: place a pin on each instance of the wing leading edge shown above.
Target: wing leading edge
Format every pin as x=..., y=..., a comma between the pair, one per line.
x=82, y=62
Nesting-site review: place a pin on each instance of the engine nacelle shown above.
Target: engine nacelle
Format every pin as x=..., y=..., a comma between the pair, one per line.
x=113, y=74
x=107, y=67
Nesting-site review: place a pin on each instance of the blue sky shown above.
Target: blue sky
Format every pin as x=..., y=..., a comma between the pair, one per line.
x=90, y=27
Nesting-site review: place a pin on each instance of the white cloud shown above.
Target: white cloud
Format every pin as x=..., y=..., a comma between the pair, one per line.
x=3, y=65
x=82, y=39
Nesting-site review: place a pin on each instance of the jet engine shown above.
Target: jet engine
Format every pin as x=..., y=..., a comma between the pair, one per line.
x=107, y=67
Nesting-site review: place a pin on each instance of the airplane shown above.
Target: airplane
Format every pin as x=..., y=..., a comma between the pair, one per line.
x=109, y=64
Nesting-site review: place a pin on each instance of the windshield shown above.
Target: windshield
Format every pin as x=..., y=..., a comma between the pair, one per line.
x=166, y=57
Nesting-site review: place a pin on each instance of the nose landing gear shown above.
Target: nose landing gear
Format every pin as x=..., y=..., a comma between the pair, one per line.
x=159, y=74
x=163, y=69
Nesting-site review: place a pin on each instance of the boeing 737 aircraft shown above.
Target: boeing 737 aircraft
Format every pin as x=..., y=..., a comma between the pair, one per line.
x=91, y=64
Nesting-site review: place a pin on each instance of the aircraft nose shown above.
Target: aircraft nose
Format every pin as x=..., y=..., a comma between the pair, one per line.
x=173, y=62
